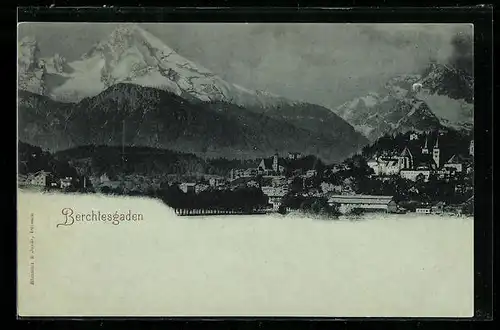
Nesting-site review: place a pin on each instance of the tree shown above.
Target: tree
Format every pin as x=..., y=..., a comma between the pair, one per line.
x=282, y=209
x=331, y=177
x=420, y=178
x=292, y=201
x=297, y=184
x=357, y=211
x=106, y=190
x=172, y=196
x=320, y=205
x=306, y=204
x=468, y=208
x=335, y=209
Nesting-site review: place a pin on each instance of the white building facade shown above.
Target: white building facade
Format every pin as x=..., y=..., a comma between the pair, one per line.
x=413, y=175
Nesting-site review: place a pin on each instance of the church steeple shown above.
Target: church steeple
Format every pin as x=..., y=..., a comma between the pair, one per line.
x=275, y=162
x=425, y=151
x=436, y=152
x=406, y=158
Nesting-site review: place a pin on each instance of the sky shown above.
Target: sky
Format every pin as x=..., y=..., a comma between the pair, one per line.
x=325, y=63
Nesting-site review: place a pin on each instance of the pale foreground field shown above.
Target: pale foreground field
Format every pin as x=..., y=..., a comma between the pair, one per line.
x=239, y=265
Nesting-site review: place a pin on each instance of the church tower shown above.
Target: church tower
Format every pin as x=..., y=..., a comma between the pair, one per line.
x=471, y=148
x=436, y=152
x=406, y=159
x=425, y=151
x=275, y=163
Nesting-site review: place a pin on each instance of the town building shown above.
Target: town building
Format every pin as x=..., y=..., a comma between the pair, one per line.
x=267, y=166
x=40, y=178
x=347, y=187
x=391, y=165
x=471, y=148
x=253, y=184
x=418, y=165
x=188, y=187
x=416, y=175
x=201, y=187
x=275, y=201
x=423, y=210
x=65, y=182
x=104, y=178
x=275, y=191
x=436, y=153
x=425, y=150
x=216, y=181
x=275, y=195
x=104, y=181
x=348, y=203
x=385, y=166
x=445, y=173
x=469, y=168
x=22, y=179
x=438, y=208
x=339, y=167
x=413, y=136
x=294, y=155
x=456, y=163
x=314, y=192
x=277, y=181
x=272, y=166
x=311, y=173
x=111, y=184
x=243, y=173
x=453, y=209
x=327, y=187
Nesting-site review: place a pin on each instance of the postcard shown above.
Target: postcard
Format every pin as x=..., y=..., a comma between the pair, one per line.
x=245, y=169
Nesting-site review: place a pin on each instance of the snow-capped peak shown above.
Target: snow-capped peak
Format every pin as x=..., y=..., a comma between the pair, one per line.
x=28, y=54
x=133, y=55
x=446, y=94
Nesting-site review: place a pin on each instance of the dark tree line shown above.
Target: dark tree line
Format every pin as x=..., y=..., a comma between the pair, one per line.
x=114, y=161
x=309, y=162
x=316, y=205
x=33, y=159
x=242, y=199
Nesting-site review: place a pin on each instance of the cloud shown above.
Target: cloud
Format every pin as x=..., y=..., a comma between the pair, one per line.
x=462, y=56
x=424, y=41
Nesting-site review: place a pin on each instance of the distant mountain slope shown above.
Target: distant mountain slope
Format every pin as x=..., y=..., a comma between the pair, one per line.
x=160, y=119
x=323, y=122
x=443, y=98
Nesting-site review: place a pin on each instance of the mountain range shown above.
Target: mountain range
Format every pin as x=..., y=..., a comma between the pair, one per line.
x=161, y=119
x=129, y=55
x=440, y=97
x=163, y=100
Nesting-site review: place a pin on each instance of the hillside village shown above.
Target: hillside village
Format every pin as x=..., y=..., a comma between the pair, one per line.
x=411, y=172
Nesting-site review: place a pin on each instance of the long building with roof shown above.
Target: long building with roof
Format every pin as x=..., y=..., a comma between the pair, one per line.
x=365, y=202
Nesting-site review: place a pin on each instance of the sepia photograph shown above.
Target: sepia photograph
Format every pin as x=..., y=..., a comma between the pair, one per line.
x=245, y=169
